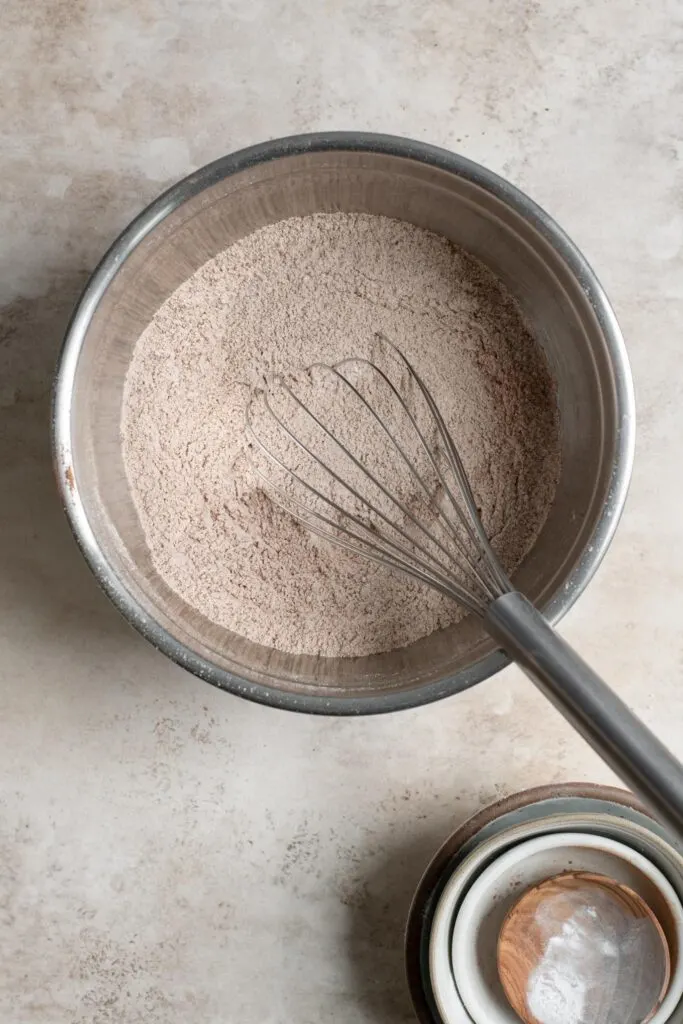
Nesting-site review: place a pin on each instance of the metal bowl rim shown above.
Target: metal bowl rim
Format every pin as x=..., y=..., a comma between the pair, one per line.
x=210, y=175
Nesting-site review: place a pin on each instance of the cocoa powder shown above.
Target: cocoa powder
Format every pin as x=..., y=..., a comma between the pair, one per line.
x=321, y=288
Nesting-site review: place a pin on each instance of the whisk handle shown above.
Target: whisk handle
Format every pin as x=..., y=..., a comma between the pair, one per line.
x=595, y=711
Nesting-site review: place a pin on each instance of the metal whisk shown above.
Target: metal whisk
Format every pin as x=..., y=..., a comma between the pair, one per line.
x=359, y=453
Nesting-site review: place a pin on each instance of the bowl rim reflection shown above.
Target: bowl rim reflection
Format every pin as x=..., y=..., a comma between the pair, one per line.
x=145, y=223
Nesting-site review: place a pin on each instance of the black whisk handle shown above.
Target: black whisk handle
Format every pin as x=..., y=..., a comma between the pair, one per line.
x=604, y=721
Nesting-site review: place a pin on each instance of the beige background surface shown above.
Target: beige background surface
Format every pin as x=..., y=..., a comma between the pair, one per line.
x=169, y=853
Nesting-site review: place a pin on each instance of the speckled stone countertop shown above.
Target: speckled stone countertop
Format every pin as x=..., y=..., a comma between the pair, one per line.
x=173, y=855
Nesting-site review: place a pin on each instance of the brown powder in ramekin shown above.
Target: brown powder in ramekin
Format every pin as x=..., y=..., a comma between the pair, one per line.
x=321, y=288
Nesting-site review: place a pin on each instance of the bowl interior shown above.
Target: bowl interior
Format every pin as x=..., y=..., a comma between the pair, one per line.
x=163, y=250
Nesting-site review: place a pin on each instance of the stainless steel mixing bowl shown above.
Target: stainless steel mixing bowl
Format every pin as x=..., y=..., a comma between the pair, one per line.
x=430, y=187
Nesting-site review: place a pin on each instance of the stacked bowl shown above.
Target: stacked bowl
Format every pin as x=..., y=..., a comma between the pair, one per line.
x=482, y=871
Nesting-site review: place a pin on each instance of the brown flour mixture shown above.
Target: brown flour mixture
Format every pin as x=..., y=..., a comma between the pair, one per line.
x=321, y=288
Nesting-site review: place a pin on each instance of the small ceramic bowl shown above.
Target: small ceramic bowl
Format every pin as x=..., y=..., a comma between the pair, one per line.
x=571, y=807
x=443, y=990
x=486, y=903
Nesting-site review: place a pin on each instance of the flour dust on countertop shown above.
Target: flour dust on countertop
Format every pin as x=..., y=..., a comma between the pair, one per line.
x=322, y=288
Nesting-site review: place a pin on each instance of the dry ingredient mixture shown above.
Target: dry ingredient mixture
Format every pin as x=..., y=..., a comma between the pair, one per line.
x=321, y=288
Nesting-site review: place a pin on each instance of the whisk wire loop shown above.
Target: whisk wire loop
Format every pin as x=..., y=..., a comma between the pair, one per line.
x=355, y=508
x=399, y=555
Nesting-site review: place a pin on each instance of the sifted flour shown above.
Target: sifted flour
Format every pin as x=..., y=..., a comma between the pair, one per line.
x=305, y=289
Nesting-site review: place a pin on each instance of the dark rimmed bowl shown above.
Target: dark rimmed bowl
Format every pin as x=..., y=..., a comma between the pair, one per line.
x=541, y=810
